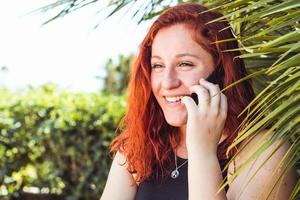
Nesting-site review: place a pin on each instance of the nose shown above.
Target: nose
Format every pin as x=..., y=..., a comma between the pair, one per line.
x=170, y=79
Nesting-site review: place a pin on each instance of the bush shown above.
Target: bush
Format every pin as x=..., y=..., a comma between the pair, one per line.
x=56, y=141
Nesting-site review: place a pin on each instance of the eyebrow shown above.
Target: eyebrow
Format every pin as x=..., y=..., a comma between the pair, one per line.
x=180, y=55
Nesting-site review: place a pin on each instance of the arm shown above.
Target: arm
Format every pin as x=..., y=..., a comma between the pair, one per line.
x=204, y=177
x=120, y=184
x=205, y=124
x=266, y=176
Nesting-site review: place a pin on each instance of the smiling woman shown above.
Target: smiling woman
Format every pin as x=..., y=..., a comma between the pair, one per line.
x=172, y=147
x=178, y=62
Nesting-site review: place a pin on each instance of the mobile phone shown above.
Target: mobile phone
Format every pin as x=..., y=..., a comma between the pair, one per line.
x=215, y=77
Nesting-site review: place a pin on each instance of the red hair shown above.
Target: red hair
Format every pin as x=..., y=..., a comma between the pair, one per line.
x=146, y=139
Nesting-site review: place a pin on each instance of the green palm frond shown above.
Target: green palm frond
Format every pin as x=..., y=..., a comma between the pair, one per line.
x=276, y=37
x=140, y=10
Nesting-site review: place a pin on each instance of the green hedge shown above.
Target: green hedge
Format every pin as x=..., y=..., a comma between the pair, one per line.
x=56, y=141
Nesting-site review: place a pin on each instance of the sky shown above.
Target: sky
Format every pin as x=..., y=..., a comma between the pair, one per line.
x=67, y=51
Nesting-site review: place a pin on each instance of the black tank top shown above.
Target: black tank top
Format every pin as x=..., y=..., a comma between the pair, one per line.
x=171, y=189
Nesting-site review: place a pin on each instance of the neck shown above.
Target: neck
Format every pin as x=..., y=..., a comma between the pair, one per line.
x=181, y=150
x=183, y=134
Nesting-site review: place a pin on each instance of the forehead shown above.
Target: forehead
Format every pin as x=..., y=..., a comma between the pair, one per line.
x=175, y=39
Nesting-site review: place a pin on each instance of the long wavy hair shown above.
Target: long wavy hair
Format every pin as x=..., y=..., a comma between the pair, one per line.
x=145, y=138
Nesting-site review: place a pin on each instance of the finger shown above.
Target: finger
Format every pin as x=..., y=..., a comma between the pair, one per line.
x=223, y=106
x=189, y=104
x=203, y=96
x=215, y=95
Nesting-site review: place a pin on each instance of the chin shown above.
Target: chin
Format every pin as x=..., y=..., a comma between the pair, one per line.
x=176, y=121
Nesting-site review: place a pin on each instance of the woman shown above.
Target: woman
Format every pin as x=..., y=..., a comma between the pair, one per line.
x=173, y=145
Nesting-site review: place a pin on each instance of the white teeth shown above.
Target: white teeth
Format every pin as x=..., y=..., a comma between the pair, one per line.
x=174, y=99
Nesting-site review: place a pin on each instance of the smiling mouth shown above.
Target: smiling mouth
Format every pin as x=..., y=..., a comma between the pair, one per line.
x=173, y=99
x=177, y=99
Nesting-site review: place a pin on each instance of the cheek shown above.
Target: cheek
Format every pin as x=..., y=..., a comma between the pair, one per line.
x=191, y=79
x=155, y=82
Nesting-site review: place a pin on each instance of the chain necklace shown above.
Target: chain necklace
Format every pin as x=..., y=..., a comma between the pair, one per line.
x=175, y=172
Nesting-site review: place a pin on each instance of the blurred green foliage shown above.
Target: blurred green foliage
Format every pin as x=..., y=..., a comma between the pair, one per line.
x=117, y=78
x=56, y=141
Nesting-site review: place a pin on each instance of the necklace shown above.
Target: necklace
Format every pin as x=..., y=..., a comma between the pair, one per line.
x=175, y=172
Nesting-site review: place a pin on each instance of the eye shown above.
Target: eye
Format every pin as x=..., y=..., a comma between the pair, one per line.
x=186, y=64
x=156, y=66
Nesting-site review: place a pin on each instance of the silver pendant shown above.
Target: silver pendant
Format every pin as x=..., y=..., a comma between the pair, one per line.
x=175, y=174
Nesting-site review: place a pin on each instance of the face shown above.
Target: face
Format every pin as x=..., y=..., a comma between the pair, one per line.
x=177, y=63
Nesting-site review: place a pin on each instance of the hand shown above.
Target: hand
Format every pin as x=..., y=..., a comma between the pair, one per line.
x=206, y=120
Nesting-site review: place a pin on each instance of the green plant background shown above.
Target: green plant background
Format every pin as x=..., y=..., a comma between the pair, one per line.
x=57, y=140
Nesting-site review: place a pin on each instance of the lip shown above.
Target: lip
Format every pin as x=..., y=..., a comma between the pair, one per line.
x=175, y=95
x=178, y=103
x=173, y=104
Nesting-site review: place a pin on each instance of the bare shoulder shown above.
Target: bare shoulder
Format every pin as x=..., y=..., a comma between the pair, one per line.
x=120, y=184
x=259, y=176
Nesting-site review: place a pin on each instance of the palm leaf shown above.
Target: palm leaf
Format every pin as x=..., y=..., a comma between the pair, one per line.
x=281, y=109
